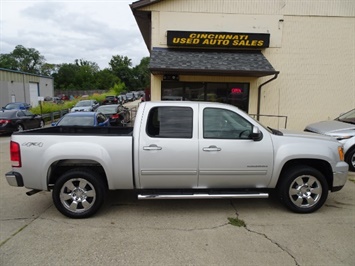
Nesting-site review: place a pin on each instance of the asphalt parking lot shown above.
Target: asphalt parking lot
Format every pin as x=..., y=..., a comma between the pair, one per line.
x=173, y=232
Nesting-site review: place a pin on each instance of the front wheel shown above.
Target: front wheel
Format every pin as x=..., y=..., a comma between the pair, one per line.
x=350, y=159
x=303, y=189
x=78, y=193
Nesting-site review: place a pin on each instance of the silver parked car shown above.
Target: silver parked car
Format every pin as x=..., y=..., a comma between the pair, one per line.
x=343, y=129
x=85, y=106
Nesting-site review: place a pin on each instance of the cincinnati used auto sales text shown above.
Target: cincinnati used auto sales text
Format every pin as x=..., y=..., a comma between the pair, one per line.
x=217, y=40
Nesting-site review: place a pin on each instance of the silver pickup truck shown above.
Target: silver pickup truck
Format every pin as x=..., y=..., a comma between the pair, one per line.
x=177, y=150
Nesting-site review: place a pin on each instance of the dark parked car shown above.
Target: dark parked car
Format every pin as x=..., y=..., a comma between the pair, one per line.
x=121, y=99
x=94, y=119
x=130, y=97
x=118, y=115
x=110, y=100
x=19, y=120
x=85, y=106
x=17, y=105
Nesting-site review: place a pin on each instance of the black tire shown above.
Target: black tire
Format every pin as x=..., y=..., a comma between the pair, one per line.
x=350, y=159
x=20, y=128
x=303, y=189
x=41, y=124
x=79, y=193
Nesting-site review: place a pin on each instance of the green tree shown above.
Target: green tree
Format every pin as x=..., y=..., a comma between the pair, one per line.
x=23, y=59
x=118, y=88
x=66, y=76
x=8, y=61
x=141, y=75
x=78, y=76
x=121, y=67
x=105, y=79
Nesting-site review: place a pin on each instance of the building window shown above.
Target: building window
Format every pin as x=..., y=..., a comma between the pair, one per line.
x=236, y=94
x=170, y=122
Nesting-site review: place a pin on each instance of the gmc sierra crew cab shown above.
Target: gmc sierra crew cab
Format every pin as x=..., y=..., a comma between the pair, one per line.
x=177, y=150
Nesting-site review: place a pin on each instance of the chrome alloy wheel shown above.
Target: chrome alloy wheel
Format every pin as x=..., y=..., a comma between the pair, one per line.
x=305, y=191
x=77, y=195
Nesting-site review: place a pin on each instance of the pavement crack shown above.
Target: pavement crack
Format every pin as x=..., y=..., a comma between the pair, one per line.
x=31, y=220
x=266, y=237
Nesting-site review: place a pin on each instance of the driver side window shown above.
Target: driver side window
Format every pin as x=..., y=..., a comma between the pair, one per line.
x=224, y=124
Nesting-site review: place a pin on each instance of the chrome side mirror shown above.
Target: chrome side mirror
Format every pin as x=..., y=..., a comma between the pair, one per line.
x=256, y=134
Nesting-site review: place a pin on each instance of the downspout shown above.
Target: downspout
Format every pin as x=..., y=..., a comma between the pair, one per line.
x=259, y=94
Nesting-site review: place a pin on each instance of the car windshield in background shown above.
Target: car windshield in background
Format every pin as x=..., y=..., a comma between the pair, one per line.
x=348, y=117
x=76, y=121
x=107, y=109
x=12, y=106
x=83, y=103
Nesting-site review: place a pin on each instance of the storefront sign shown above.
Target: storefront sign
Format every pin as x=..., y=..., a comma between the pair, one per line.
x=218, y=39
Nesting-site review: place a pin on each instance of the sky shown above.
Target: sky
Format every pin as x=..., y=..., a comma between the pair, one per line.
x=65, y=30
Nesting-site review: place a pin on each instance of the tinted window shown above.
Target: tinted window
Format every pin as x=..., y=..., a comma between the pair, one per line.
x=224, y=124
x=170, y=122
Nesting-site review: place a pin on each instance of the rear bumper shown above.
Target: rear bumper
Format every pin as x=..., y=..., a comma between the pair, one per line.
x=14, y=179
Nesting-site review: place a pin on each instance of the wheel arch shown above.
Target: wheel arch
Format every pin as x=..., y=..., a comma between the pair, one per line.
x=322, y=166
x=59, y=167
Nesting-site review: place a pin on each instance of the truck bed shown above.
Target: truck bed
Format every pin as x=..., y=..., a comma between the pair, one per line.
x=80, y=130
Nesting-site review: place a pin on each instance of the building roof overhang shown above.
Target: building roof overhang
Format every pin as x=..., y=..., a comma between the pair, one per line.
x=143, y=18
x=210, y=62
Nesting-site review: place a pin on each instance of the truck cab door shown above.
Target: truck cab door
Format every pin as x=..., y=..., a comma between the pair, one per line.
x=229, y=155
x=168, y=148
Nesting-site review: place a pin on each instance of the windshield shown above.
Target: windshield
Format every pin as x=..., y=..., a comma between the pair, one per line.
x=107, y=109
x=11, y=106
x=348, y=117
x=77, y=121
x=83, y=103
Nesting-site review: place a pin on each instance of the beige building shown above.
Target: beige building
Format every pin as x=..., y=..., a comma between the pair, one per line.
x=17, y=86
x=294, y=60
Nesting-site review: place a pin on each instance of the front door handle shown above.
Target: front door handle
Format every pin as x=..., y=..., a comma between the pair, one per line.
x=152, y=147
x=212, y=148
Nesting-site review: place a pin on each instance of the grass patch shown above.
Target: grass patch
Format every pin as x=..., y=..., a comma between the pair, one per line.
x=236, y=222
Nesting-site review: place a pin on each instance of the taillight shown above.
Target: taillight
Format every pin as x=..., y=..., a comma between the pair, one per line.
x=115, y=116
x=15, y=154
x=4, y=121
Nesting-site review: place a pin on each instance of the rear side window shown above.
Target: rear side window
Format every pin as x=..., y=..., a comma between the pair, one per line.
x=170, y=122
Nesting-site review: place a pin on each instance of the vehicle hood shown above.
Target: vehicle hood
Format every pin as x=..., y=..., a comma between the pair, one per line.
x=332, y=127
x=307, y=135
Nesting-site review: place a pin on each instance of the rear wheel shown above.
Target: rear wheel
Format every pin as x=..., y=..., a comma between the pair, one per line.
x=79, y=193
x=303, y=189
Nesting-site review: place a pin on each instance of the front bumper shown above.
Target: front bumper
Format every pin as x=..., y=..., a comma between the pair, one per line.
x=340, y=175
x=14, y=179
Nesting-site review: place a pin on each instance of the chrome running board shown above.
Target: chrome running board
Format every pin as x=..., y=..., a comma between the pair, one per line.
x=204, y=196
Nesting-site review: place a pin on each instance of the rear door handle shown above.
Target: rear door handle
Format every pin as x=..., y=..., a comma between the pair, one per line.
x=212, y=148
x=152, y=147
